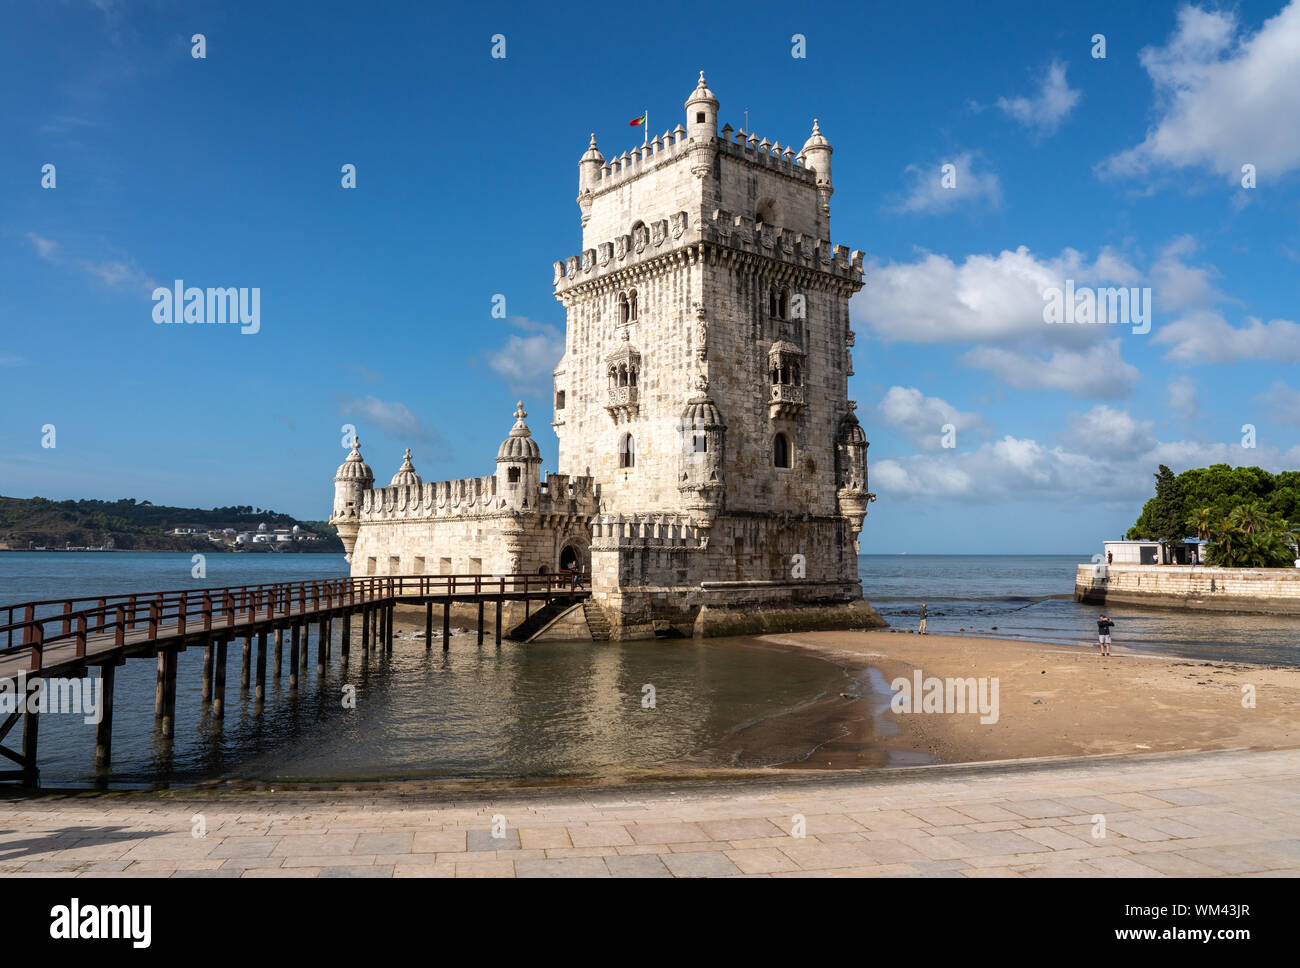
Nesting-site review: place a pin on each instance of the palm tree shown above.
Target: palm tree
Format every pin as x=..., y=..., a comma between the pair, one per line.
x=1199, y=522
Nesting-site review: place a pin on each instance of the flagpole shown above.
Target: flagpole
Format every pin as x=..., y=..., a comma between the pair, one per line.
x=645, y=135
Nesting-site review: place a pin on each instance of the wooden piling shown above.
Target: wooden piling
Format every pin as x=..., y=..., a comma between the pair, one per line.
x=245, y=663
x=428, y=626
x=169, y=694
x=480, y=624
x=260, y=695
x=279, y=639
x=219, y=682
x=104, y=728
x=160, y=687
x=31, y=730
x=498, y=621
x=346, y=642
x=322, y=637
x=365, y=631
x=293, y=657
x=446, y=623
x=207, y=673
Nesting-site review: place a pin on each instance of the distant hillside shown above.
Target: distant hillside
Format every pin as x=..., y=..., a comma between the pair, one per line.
x=130, y=525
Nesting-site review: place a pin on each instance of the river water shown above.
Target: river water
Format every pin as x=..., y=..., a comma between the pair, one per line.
x=556, y=709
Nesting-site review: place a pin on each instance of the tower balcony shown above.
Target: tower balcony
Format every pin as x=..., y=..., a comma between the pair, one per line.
x=622, y=400
x=786, y=400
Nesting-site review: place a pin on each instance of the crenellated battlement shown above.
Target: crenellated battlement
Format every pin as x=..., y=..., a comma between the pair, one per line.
x=622, y=531
x=738, y=232
x=769, y=155
x=560, y=494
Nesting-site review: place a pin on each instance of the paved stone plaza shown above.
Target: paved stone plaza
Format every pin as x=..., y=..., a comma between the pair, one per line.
x=1199, y=814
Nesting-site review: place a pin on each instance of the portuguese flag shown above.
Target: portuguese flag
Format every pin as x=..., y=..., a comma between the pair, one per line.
x=639, y=121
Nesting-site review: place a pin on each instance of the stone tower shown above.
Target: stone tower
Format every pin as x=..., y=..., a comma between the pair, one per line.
x=351, y=481
x=704, y=384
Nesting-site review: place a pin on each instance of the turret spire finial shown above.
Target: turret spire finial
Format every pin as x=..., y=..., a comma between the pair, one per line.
x=520, y=413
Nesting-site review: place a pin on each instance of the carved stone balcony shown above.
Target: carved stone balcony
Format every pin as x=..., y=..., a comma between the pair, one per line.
x=622, y=402
x=786, y=400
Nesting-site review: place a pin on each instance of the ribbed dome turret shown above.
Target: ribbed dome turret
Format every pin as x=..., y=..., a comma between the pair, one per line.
x=702, y=93
x=520, y=444
x=700, y=410
x=406, y=475
x=593, y=153
x=816, y=140
x=354, y=468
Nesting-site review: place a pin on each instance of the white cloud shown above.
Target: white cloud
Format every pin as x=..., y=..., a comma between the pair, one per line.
x=44, y=247
x=1184, y=398
x=1106, y=430
x=921, y=419
x=1225, y=98
x=391, y=417
x=1179, y=285
x=1283, y=403
x=1045, y=111
x=986, y=298
x=1093, y=465
x=1098, y=371
x=1204, y=336
x=929, y=195
x=526, y=362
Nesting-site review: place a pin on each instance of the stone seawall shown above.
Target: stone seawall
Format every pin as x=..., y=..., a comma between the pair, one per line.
x=1262, y=591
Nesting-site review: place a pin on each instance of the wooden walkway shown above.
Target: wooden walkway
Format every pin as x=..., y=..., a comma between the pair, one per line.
x=64, y=638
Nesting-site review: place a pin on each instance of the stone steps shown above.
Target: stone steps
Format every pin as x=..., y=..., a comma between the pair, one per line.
x=597, y=624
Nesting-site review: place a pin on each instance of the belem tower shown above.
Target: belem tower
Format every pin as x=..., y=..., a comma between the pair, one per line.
x=712, y=473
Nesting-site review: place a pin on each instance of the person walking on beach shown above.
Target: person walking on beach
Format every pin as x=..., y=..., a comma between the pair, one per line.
x=1104, y=625
x=924, y=612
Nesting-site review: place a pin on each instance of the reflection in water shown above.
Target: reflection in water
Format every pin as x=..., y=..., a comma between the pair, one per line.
x=558, y=709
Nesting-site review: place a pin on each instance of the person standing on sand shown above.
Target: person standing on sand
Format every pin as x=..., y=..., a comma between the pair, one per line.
x=924, y=612
x=1104, y=625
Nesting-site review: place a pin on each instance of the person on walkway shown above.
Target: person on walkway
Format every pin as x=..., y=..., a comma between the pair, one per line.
x=1104, y=625
x=924, y=613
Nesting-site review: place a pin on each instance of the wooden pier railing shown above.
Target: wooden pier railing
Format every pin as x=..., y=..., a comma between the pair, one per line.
x=65, y=637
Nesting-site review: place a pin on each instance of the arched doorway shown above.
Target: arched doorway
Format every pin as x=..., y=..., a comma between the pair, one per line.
x=571, y=559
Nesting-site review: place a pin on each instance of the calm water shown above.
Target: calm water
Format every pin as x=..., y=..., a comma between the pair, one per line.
x=1032, y=597
x=561, y=709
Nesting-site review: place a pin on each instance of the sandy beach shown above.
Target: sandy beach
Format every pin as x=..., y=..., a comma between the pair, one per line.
x=1055, y=701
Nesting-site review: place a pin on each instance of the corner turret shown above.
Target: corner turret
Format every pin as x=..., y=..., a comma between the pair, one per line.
x=351, y=481
x=518, y=464
x=589, y=166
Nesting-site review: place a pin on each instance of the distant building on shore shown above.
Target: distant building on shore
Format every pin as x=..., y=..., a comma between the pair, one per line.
x=712, y=472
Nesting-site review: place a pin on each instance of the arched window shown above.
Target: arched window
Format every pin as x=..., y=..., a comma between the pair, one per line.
x=782, y=302
x=632, y=305
x=624, y=308
x=559, y=399
x=626, y=451
x=771, y=301
x=512, y=475
x=701, y=442
x=781, y=450
x=795, y=375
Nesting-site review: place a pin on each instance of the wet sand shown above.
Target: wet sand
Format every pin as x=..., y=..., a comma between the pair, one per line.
x=1052, y=701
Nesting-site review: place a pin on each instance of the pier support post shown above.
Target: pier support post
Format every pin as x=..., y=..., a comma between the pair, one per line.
x=207, y=673
x=160, y=687
x=480, y=623
x=219, y=682
x=392, y=614
x=498, y=621
x=245, y=662
x=104, y=729
x=322, y=637
x=365, y=632
x=279, y=640
x=446, y=624
x=381, y=628
x=293, y=657
x=428, y=626
x=31, y=730
x=169, y=693
x=260, y=695
x=346, y=644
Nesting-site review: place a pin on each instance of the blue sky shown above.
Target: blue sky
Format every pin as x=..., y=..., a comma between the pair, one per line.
x=376, y=302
